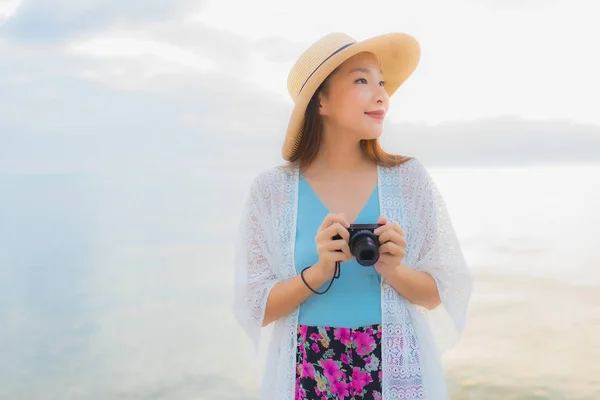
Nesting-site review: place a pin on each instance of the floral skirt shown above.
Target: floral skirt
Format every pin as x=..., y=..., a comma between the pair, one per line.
x=338, y=363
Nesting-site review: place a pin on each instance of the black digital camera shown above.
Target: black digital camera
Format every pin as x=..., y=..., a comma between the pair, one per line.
x=364, y=244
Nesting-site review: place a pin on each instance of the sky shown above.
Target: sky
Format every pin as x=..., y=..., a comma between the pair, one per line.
x=130, y=129
x=90, y=85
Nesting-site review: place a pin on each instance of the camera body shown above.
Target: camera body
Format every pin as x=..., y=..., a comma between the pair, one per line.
x=364, y=244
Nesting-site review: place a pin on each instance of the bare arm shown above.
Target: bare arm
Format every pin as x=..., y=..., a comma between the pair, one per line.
x=416, y=286
x=287, y=295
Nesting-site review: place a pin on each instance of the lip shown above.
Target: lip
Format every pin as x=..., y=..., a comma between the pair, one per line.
x=378, y=114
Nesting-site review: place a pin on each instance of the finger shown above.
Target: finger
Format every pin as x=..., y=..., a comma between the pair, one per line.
x=381, y=229
x=332, y=218
x=382, y=220
x=342, y=231
x=345, y=250
x=385, y=259
x=385, y=248
x=392, y=236
x=395, y=226
x=389, y=225
x=328, y=220
x=330, y=248
x=387, y=235
x=331, y=231
x=340, y=256
x=391, y=248
x=343, y=217
x=335, y=250
x=340, y=245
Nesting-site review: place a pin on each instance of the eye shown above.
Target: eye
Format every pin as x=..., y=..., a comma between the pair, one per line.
x=381, y=83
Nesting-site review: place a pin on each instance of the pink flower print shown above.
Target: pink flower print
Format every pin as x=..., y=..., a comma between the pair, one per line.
x=331, y=370
x=365, y=344
x=340, y=389
x=376, y=395
x=308, y=370
x=378, y=333
x=359, y=380
x=380, y=375
x=315, y=347
x=303, y=330
x=343, y=335
x=300, y=392
x=315, y=337
x=344, y=359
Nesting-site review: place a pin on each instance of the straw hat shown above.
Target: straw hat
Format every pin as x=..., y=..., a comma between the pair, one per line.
x=398, y=55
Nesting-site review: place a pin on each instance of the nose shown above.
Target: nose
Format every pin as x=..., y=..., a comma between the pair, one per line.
x=381, y=95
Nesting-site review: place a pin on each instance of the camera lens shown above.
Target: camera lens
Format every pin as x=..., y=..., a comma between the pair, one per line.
x=365, y=247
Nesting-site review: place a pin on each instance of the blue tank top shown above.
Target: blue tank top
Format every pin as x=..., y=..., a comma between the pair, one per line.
x=354, y=299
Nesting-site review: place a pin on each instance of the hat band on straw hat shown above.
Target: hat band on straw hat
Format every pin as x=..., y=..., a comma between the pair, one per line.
x=323, y=62
x=397, y=54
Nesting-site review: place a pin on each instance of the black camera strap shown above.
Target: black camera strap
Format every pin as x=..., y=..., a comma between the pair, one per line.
x=336, y=275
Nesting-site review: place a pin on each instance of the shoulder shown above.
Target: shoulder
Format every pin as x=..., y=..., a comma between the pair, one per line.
x=271, y=177
x=413, y=179
x=418, y=171
x=410, y=170
x=411, y=166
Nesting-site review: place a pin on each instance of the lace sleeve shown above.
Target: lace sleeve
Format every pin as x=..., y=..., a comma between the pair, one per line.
x=434, y=248
x=254, y=276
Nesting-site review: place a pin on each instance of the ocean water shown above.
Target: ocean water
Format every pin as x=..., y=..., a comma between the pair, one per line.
x=119, y=287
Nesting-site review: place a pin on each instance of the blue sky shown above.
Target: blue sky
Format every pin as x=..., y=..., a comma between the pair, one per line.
x=88, y=86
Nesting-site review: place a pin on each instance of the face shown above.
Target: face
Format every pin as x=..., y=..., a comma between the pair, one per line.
x=352, y=94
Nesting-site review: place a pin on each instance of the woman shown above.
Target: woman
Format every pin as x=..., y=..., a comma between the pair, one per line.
x=343, y=327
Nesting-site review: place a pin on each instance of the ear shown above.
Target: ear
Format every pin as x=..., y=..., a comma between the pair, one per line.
x=323, y=104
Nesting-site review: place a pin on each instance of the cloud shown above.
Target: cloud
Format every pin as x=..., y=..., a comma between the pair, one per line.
x=75, y=109
x=70, y=117
x=231, y=52
x=503, y=140
x=57, y=20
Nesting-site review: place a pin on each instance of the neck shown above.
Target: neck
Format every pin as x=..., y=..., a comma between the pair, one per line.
x=340, y=153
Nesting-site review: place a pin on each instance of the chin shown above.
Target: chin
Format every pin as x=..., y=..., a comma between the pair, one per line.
x=373, y=134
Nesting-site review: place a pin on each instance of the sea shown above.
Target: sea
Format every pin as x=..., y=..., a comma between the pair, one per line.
x=119, y=286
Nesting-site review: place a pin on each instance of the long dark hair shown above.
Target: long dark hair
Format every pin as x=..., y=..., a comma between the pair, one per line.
x=312, y=137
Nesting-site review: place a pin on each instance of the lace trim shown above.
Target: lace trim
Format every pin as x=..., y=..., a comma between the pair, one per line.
x=264, y=256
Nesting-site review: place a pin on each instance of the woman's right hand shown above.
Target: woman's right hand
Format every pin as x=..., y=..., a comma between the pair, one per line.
x=328, y=248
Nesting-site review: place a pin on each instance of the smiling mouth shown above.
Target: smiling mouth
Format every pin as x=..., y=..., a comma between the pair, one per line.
x=377, y=115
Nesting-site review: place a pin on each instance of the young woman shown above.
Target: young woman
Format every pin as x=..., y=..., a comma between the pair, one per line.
x=349, y=323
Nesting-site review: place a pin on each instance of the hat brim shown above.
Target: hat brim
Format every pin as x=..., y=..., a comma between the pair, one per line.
x=398, y=55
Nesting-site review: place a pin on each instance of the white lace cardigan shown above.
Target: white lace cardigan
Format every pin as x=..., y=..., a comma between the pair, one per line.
x=413, y=337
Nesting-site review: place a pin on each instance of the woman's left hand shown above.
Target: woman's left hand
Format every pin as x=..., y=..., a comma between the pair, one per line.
x=392, y=246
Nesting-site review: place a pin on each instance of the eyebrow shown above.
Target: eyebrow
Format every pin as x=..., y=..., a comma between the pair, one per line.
x=365, y=70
